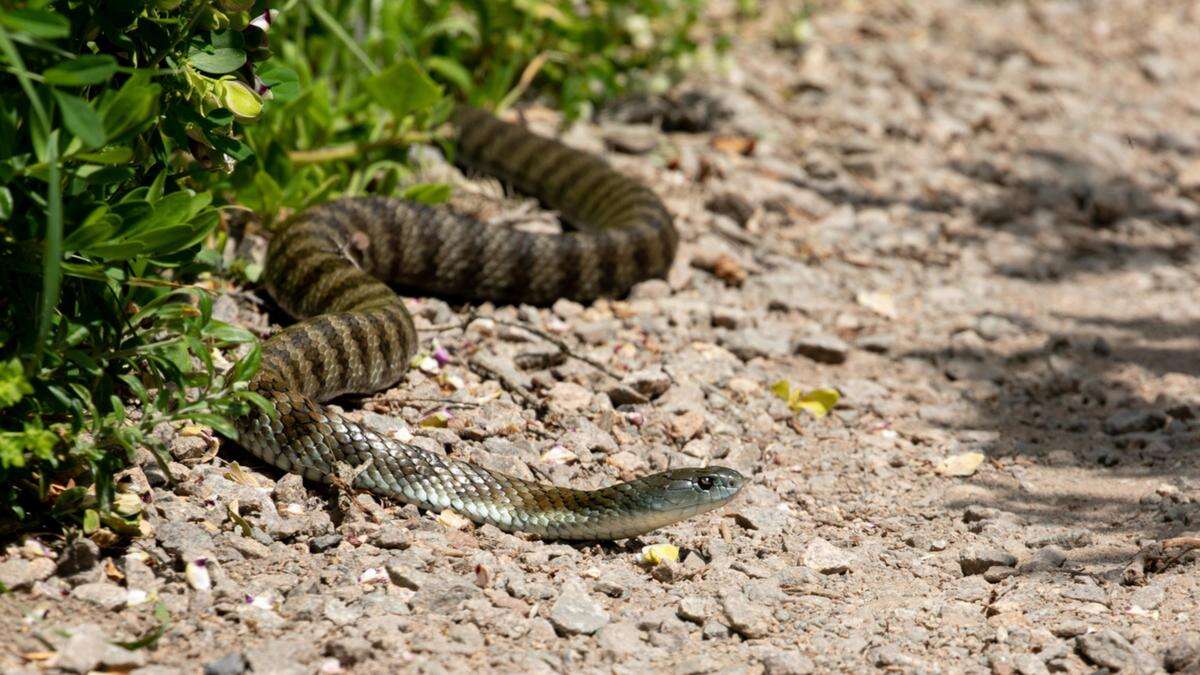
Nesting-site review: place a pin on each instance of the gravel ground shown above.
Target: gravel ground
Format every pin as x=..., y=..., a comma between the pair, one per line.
x=976, y=221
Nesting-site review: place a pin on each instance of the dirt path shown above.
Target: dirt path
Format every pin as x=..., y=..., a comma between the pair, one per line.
x=977, y=221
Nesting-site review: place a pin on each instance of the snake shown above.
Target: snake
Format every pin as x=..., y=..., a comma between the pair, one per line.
x=334, y=268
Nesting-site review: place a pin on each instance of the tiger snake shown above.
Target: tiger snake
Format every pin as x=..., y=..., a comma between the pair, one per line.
x=333, y=267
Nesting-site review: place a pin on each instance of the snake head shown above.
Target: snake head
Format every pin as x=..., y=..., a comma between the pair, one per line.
x=694, y=490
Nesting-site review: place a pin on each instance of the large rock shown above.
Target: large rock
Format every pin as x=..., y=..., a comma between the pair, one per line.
x=1109, y=649
x=576, y=612
x=979, y=559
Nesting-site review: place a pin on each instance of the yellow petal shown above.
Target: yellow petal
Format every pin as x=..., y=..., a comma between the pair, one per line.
x=437, y=420
x=818, y=402
x=783, y=390
x=660, y=554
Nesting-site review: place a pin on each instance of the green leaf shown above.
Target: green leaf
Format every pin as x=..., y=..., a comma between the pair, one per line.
x=450, y=70
x=218, y=423
x=85, y=70
x=135, y=103
x=80, y=119
x=257, y=400
x=6, y=203
x=403, y=88
x=38, y=441
x=428, y=193
x=11, y=452
x=246, y=366
x=38, y=23
x=227, y=333
x=98, y=227
x=281, y=80
x=91, y=521
x=13, y=385
x=217, y=60
x=112, y=155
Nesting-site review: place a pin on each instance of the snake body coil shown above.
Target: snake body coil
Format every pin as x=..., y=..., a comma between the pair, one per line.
x=331, y=266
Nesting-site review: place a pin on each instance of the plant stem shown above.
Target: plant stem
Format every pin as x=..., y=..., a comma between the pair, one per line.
x=335, y=153
x=332, y=25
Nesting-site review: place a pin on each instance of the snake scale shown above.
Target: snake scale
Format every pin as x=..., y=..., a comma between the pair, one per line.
x=333, y=267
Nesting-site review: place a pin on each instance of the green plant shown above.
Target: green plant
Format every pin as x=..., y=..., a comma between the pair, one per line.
x=103, y=109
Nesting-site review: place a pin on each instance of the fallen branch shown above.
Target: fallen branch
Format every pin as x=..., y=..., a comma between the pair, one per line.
x=1157, y=557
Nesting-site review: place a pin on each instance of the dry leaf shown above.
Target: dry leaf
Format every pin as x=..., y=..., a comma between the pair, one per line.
x=961, y=465
x=734, y=145
x=240, y=476
x=452, y=520
x=883, y=304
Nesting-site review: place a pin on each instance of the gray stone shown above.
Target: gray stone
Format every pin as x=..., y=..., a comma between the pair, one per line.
x=777, y=661
x=102, y=594
x=232, y=663
x=752, y=343
x=879, y=343
x=1086, y=593
x=979, y=558
x=19, y=573
x=78, y=556
x=289, y=489
x=1069, y=628
x=763, y=519
x=992, y=327
x=649, y=382
x=282, y=656
x=180, y=537
x=349, y=650
x=568, y=397
x=157, y=669
x=998, y=573
x=1030, y=664
x=406, y=577
x=621, y=394
x=714, y=630
x=620, y=639
x=693, y=608
x=826, y=558
x=1133, y=421
x=1043, y=560
x=392, y=535
x=340, y=613
x=750, y=620
x=1068, y=539
x=1148, y=597
x=441, y=596
x=1109, y=649
x=324, y=543
x=1183, y=654
x=823, y=348
x=633, y=140
x=88, y=649
x=575, y=612
x=249, y=547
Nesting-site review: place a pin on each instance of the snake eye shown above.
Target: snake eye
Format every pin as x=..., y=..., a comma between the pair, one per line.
x=705, y=482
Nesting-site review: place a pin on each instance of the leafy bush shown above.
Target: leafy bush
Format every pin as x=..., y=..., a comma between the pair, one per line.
x=123, y=124
x=377, y=77
x=100, y=107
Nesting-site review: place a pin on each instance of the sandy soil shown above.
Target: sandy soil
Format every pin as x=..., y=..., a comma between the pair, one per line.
x=976, y=220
